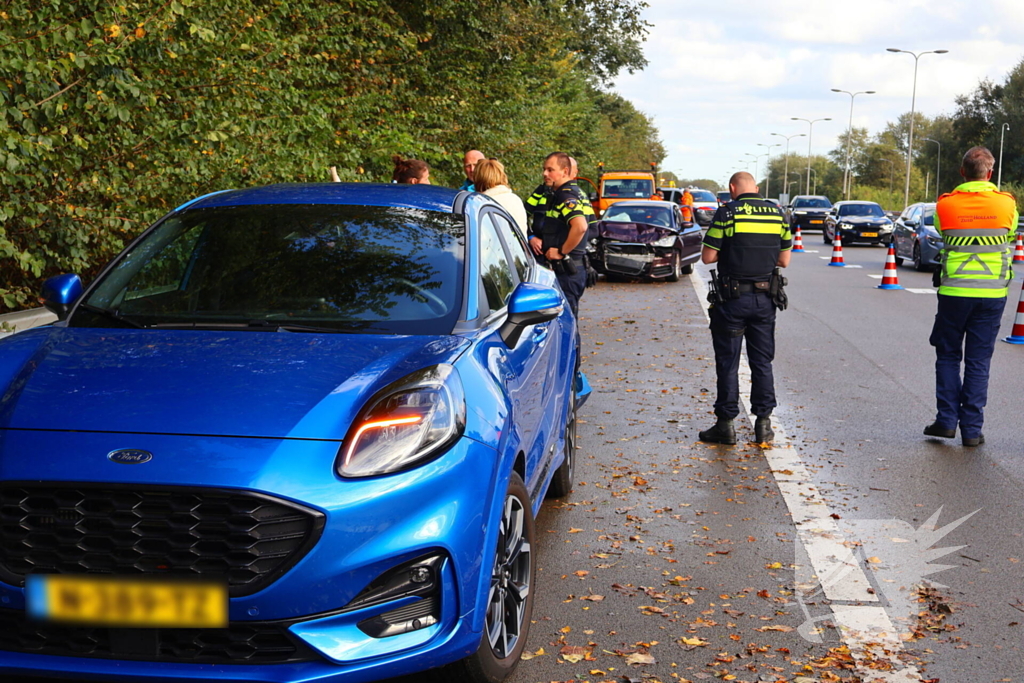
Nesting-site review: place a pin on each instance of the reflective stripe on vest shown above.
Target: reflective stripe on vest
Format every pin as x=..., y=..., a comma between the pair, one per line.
x=977, y=236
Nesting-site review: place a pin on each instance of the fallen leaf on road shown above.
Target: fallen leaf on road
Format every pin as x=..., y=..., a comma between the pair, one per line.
x=640, y=658
x=693, y=642
x=573, y=653
x=775, y=627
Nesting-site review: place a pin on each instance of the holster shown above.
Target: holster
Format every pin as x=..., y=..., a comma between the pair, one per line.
x=777, y=290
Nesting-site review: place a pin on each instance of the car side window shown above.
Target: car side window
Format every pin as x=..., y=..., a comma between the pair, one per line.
x=495, y=271
x=514, y=242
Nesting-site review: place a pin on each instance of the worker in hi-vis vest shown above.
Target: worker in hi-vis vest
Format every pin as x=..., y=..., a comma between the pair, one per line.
x=977, y=223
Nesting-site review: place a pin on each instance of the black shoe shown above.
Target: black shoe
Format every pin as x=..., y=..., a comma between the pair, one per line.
x=972, y=441
x=763, y=430
x=935, y=430
x=722, y=432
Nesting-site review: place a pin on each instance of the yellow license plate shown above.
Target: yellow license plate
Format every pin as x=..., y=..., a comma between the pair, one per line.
x=817, y=222
x=869, y=234
x=127, y=602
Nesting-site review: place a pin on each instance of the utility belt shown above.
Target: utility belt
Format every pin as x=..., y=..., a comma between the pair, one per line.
x=725, y=288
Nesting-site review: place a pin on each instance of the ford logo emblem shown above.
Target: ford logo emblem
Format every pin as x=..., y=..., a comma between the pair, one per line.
x=129, y=456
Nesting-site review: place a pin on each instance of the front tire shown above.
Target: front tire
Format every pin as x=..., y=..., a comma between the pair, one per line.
x=676, y=267
x=919, y=265
x=825, y=237
x=510, y=599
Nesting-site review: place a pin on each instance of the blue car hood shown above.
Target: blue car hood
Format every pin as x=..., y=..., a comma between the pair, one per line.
x=262, y=384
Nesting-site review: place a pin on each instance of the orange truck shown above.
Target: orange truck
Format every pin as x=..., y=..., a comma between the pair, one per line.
x=623, y=185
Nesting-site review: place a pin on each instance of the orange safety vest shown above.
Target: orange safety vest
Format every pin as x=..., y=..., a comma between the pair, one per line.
x=976, y=222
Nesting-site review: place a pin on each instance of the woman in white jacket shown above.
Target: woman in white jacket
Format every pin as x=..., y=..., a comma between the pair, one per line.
x=489, y=177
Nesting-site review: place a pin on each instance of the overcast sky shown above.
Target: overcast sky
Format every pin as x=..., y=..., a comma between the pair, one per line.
x=725, y=75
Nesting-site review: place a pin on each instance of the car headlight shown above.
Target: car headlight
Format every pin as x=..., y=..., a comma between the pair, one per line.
x=846, y=226
x=800, y=213
x=405, y=423
x=935, y=241
x=667, y=241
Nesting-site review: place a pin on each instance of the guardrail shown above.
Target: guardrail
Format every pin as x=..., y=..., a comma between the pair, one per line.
x=19, y=321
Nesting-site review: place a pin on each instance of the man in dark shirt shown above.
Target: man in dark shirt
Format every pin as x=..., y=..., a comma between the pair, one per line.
x=748, y=238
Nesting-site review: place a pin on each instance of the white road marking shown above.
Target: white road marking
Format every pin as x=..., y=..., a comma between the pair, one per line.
x=865, y=628
x=877, y=277
x=922, y=290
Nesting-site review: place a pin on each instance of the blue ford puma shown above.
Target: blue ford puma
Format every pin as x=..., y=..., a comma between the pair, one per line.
x=291, y=433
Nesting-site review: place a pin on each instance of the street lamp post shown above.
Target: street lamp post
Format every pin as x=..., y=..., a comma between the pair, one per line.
x=768, y=167
x=815, y=172
x=849, y=137
x=786, y=172
x=938, y=166
x=913, y=102
x=810, y=132
x=1002, y=133
x=757, y=158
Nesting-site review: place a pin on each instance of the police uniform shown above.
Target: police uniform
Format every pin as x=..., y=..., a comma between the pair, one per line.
x=977, y=224
x=748, y=233
x=562, y=205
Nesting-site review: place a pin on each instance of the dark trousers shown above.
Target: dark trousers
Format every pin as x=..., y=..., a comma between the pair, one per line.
x=965, y=329
x=750, y=317
x=573, y=286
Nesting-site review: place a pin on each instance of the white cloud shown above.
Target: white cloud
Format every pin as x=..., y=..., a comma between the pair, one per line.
x=723, y=78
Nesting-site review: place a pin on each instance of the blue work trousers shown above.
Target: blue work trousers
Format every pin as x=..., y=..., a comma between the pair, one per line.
x=573, y=286
x=750, y=317
x=965, y=330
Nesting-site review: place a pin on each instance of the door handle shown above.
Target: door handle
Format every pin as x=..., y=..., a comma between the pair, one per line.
x=540, y=332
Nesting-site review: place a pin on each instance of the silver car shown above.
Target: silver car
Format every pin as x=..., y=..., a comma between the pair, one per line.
x=915, y=238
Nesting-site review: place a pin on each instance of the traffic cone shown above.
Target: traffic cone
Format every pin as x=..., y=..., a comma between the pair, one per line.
x=1018, y=251
x=1017, y=333
x=837, y=251
x=890, y=279
x=798, y=242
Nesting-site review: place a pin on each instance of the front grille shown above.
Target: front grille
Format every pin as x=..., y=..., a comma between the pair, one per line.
x=249, y=539
x=240, y=643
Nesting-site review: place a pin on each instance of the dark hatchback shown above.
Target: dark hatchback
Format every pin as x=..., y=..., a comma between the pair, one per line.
x=808, y=212
x=644, y=240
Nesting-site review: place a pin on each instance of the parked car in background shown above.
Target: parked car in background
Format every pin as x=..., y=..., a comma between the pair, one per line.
x=857, y=221
x=915, y=238
x=672, y=194
x=808, y=212
x=291, y=433
x=705, y=203
x=645, y=240
x=723, y=196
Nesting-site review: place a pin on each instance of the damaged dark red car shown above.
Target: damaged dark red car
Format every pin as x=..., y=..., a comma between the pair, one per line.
x=644, y=239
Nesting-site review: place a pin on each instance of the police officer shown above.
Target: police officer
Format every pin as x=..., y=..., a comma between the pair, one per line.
x=748, y=239
x=559, y=239
x=977, y=224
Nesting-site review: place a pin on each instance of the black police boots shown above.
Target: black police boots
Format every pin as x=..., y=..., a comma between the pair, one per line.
x=935, y=429
x=722, y=432
x=763, y=430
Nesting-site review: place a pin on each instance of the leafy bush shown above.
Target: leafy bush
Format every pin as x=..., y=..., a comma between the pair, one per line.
x=112, y=114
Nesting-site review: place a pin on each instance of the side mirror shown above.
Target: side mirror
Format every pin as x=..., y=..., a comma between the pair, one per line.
x=61, y=292
x=910, y=223
x=530, y=304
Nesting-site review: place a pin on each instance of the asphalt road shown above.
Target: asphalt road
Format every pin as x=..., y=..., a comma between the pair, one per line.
x=674, y=560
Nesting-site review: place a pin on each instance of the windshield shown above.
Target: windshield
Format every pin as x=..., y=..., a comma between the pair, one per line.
x=703, y=196
x=654, y=215
x=631, y=187
x=861, y=210
x=342, y=268
x=811, y=203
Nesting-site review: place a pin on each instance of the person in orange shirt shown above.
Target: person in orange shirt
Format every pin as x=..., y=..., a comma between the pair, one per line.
x=687, y=206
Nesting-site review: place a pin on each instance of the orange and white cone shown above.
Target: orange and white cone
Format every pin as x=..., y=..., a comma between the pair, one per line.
x=837, y=251
x=1017, y=333
x=798, y=242
x=890, y=279
x=1018, y=251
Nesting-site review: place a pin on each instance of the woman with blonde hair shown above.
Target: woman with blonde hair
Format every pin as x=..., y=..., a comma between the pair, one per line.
x=489, y=177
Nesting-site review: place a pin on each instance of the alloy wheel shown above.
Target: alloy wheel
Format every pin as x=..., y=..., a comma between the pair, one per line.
x=510, y=580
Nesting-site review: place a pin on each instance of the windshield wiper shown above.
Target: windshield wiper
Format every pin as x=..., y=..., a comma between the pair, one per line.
x=261, y=325
x=112, y=314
